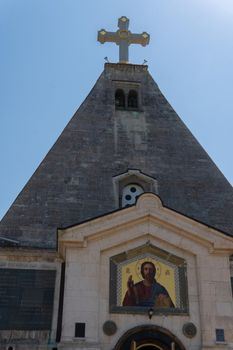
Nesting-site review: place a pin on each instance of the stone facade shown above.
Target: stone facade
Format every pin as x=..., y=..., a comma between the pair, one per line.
x=74, y=181
x=69, y=219
x=87, y=249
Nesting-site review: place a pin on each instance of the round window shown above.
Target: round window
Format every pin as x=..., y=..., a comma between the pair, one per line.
x=130, y=194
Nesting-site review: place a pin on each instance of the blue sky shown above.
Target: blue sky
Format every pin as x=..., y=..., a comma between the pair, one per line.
x=50, y=59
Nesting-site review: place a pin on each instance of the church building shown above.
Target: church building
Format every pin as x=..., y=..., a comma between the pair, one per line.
x=123, y=237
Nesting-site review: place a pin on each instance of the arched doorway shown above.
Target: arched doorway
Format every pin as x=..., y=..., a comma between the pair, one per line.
x=147, y=344
x=149, y=337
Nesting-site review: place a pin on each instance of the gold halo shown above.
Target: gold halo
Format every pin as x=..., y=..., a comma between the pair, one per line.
x=150, y=259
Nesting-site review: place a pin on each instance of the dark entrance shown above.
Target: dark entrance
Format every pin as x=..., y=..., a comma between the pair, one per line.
x=149, y=338
x=149, y=347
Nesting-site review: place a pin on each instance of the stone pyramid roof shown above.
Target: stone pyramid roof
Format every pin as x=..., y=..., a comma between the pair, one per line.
x=74, y=182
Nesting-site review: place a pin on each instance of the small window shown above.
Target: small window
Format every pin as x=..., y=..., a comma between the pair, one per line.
x=130, y=194
x=220, y=337
x=133, y=99
x=80, y=330
x=120, y=99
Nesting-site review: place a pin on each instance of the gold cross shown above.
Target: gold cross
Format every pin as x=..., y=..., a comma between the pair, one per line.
x=123, y=38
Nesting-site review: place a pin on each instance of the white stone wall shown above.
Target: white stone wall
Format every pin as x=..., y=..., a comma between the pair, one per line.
x=86, y=297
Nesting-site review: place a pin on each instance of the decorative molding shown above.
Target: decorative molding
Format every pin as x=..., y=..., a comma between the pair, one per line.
x=148, y=212
x=189, y=330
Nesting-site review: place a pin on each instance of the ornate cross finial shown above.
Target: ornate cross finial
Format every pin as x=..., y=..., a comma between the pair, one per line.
x=123, y=37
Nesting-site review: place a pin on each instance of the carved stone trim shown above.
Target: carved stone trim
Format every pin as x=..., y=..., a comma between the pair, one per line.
x=109, y=327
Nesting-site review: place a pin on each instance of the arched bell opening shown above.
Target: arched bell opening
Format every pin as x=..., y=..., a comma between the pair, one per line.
x=149, y=337
x=133, y=99
x=120, y=99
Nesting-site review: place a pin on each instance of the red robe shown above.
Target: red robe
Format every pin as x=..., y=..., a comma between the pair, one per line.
x=141, y=295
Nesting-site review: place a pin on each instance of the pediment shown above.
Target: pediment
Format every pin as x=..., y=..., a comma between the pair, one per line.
x=147, y=218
